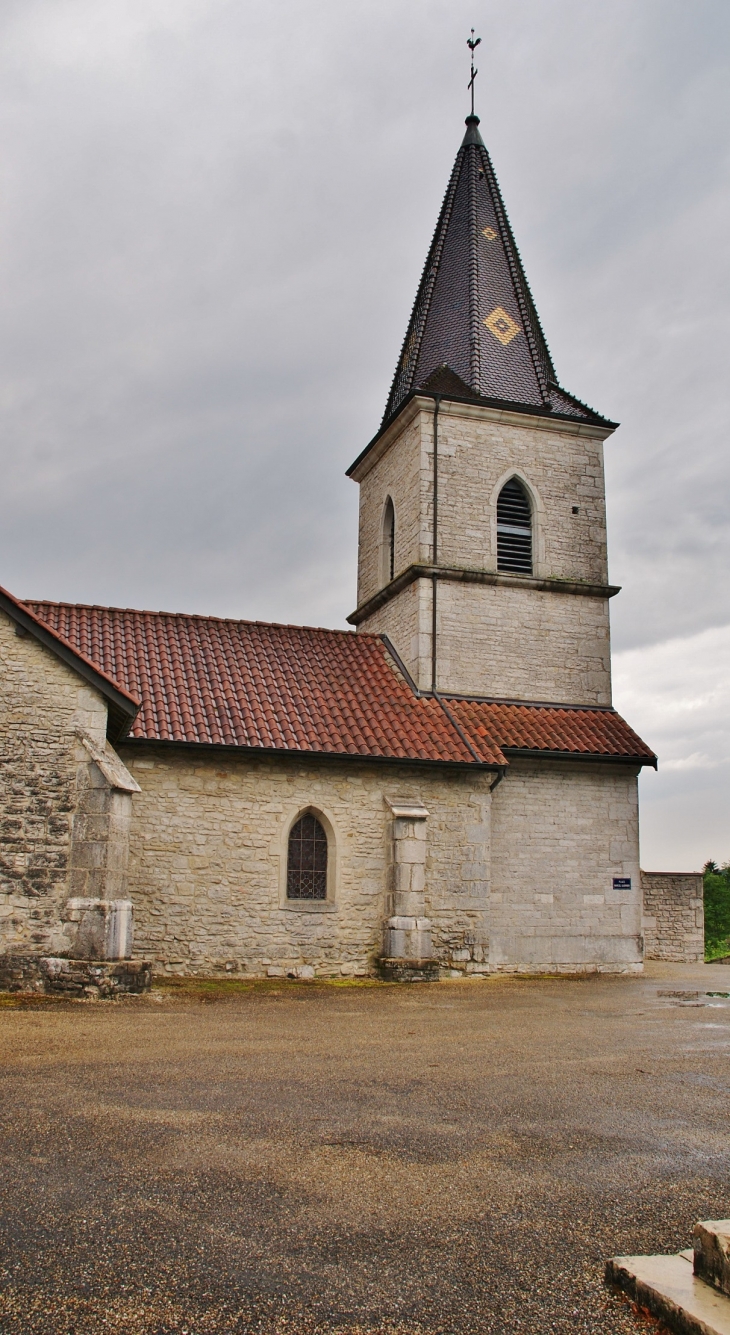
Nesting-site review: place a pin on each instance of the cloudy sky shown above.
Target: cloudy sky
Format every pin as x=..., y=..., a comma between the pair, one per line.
x=213, y=217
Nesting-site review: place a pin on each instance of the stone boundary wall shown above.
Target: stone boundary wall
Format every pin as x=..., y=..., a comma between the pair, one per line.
x=674, y=916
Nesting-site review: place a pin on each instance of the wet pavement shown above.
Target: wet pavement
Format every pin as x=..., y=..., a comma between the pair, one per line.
x=451, y=1157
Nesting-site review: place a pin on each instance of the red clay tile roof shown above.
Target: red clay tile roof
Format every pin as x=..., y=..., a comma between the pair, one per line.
x=579, y=731
x=293, y=688
x=245, y=683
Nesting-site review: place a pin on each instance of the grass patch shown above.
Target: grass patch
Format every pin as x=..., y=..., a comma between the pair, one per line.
x=193, y=988
x=33, y=1001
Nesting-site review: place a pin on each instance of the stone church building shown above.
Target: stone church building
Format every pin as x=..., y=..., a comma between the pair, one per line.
x=445, y=787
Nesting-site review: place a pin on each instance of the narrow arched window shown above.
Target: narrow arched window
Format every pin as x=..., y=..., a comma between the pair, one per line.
x=514, y=529
x=387, y=572
x=306, y=869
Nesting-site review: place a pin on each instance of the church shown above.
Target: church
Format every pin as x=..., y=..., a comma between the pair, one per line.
x=445, y=789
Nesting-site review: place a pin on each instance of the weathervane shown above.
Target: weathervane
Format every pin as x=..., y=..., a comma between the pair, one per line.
x=472, y=43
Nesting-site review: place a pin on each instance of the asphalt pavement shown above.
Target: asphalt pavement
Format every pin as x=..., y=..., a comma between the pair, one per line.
x=450, y=1157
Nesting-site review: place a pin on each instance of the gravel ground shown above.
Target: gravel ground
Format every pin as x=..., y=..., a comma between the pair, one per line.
x=453, y=1157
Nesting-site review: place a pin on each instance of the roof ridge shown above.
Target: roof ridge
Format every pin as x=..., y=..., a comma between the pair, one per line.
x=67, y=644
x=198, y=616
x=424, y=294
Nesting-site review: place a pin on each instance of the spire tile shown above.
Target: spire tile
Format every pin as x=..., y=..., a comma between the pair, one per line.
x=474, y=313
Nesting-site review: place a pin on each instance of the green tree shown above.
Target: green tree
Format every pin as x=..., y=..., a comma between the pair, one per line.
x=717, y=909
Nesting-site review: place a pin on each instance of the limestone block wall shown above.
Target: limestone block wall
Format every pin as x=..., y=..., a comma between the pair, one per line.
x=479, y=449
x=400, y=475
x=43, y=766
x=561, y=835
x=208, y=858
x=562, y=467
x=522, y=644
x=407, y=929
x=517, y=644
x=100, y=837
x=406, y=620
x=674, y=917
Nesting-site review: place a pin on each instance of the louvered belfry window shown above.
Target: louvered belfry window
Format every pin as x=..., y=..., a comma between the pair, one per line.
x=306, y=872
x=514, y=529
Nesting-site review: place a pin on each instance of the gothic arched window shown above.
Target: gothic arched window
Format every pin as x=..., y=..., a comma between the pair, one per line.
x=387, y=560
x=514, y=529
x=306, y=868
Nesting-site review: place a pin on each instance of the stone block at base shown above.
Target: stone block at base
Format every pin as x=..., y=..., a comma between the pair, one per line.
x=711, y=1240
x=51, y=974
x=409, y=970
x=20, y=973
x=667, y=1287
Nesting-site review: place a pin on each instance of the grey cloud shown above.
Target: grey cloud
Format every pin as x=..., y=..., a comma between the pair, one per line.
x=212, y=222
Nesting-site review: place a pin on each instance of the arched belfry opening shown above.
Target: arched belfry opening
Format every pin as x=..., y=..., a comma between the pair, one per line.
x=514, y=529
x=387, y=545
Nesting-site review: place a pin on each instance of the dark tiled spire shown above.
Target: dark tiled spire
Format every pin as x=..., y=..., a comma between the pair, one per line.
x=474, y=312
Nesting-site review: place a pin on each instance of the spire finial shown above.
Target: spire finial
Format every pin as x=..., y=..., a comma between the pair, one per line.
x=472, y=43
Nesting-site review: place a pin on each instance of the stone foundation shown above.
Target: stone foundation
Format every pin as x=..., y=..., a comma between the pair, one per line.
x=409, y=970
x=76, y=978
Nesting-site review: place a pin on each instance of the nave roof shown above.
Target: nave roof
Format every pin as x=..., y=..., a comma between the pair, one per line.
x=212, y=681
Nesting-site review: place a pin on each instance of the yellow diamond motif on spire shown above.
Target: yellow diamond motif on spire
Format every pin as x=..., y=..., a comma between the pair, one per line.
x=489, y=233
x=502, y=325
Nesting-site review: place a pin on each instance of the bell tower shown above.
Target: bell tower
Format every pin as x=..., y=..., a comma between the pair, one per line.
x=482, y=543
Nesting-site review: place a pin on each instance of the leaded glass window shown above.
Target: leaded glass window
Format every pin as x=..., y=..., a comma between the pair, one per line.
x=306, y=872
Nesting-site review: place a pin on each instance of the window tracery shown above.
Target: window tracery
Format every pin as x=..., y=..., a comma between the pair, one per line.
x=306, y=869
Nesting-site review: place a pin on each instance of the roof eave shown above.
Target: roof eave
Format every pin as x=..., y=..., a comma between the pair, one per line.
x=598, y=423
x=598, y=757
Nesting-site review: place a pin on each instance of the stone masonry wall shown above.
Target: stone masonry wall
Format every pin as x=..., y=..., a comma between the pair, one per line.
x=100, y=837
x=517, y=644
x=522, y=644
x=560, y=834
x=674, y=918
x=406, y=620
x=399, y=474
x=42, y=767
x=208, y=857
x=562, y=466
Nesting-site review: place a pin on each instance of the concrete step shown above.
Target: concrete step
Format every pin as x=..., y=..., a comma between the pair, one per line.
x=667, y=1287
x=711, y=1239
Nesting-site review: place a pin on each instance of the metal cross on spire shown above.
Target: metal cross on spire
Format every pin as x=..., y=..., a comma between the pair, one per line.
x=472, y=43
